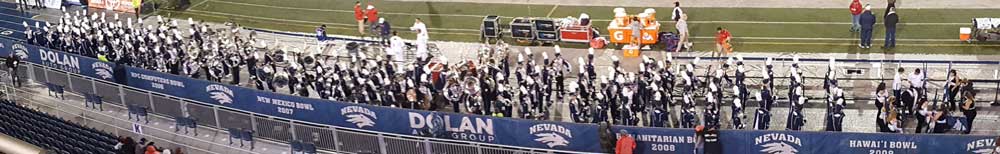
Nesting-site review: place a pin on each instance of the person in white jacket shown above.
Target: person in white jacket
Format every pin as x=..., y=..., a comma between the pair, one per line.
x=396, y=47
x=421, y=29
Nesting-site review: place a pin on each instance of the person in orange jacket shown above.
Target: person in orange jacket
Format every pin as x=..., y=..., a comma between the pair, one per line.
x=856, y=15
x=626, y=144
x=359, y=15
x=722, y=38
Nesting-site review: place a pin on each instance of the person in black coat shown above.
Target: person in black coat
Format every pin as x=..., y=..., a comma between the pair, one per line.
x=12, y=63
x=867, y=23
x=891, y=18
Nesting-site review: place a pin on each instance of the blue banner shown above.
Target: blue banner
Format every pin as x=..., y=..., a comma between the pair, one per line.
x=72, y=63
x=660, y=140
x=494, y=130
x=741, y=141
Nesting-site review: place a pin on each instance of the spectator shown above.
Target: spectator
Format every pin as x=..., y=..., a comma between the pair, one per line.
x=151, y=148
x=12, y=63
x=140, y=148
x=359, y=15
x=120, y=146
x=178, y=151
x=321, y=33
x=722, y=38
x=385, y=30
x=867, y=23
x=626, y=144
x=682, y=30
x=676, y=15
x=166, y=151
x=856, y=15
x=891, y=18
x=129, y=147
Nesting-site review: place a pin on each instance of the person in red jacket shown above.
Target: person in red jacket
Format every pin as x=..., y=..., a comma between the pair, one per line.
x=856, y=15
x=359, y=15
x=626, y=144
x=371, y=13
x=371, y=17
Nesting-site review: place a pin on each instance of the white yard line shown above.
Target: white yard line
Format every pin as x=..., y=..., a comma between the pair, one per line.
x=199, y=4
x=552, y=11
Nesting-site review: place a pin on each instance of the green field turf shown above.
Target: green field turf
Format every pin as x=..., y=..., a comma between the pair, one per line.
x=930, y=32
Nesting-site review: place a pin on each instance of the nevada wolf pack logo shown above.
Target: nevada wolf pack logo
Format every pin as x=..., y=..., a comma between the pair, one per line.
x=551, y=135
x=103, y=70
x=778, y=143
x=220, y=93
x=360, y=116
x=20, y=50
x=981, y=146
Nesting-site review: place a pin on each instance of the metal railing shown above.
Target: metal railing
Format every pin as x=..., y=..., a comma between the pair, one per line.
x=219, y=118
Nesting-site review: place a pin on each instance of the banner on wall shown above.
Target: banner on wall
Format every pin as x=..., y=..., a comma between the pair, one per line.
x=494, y=130
x=59, y=60
x=660, y=140
x=115, y=5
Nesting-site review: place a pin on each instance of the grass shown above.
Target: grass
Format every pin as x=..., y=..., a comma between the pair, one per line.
x=305, y=15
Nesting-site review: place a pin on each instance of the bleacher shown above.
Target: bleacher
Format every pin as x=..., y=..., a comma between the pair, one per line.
x=11, y=20
x=49, y=132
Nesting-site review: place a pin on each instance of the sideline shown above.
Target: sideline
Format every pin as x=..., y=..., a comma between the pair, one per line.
x=602, y=20
x=222, y=15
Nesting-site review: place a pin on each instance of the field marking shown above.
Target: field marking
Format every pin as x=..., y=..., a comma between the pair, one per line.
x=223, y=15
x=602, y=20
x=199, y=3
x=552, y=11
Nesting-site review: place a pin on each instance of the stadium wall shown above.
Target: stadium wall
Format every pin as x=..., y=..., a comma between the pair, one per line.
x=483, y=129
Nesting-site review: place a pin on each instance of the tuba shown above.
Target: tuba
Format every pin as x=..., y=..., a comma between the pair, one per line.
x=281, y=79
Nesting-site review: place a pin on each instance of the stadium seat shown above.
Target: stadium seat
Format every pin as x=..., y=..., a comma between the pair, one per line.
x=309, y=148
x=51, y=132
x=296, y=146
x=234, y=134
